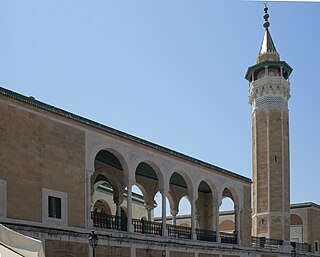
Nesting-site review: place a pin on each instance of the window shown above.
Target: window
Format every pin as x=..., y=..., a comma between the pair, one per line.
x=316, y=246
x=54, y=207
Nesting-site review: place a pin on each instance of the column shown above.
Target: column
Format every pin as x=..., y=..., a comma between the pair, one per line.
x=216, y=220
x=198, y=217
x=89, y=196
x=133, y=251
x=193, y=219
x=118, y=210
x=281, y=71
x=164, y=214
x=174, y=216
x=129, y=208
x=238, y=212
x=149, y=208
x=118, y=215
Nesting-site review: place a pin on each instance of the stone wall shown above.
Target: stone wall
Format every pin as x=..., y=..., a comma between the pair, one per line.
x=54, y=248
x=37, y=152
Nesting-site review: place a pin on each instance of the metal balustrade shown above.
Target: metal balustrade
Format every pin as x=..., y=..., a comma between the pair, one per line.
x=179, y=231
x=263, y=242
x=206, y=235
x=147, y=227
x=103, y=220
x=229, y=238
x=107, y=221
x=301, y=247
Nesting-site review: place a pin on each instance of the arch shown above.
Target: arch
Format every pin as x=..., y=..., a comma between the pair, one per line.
x=186, y=201
x=109, y=168
x=262, y=226
x=144, y=218
x=185, y=225
x=211, y=185
x=147, y=178
x=154, y=166
x=101, y=206
x=115, y=153
x=276, y=228
x=181, y=179
x=227, y=205
x=230, y=202
x=232, y=194
x=184, y=175
x=205, y=206
x=178, y=188
x=295, y=220
x=227, y=226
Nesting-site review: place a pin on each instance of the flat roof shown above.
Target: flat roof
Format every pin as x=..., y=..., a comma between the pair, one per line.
x=304, y=205
x=36, y=103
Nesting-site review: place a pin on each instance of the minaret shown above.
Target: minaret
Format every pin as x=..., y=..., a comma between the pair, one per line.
x=269, y=93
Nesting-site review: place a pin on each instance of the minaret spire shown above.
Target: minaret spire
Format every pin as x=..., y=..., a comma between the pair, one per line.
x=268, y=49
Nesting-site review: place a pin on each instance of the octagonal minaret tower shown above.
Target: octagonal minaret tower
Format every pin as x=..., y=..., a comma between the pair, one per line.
x=269, y=93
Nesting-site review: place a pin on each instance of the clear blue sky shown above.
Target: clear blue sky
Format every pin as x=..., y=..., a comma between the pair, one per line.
x=169, y=71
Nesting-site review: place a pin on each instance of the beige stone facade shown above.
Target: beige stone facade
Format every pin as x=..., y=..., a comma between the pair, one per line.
x=55, y=165
x=63, y=176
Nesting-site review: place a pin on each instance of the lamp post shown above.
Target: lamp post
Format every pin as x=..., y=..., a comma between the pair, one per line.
x=93, y=241
x=294, y=250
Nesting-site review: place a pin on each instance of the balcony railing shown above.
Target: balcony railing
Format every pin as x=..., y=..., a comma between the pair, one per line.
x=102, y=220
x=147, y=227
x=263, y=242
x=229, y=238
x=206, y=235
x=301, y=247
x=179, y=231
x=107, y=221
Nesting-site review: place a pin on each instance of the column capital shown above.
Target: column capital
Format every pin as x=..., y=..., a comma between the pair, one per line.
x=118, y=201
x=149, y=207
x=164, y=191
x=174, y=212
x=217, y=203
x=89, y=172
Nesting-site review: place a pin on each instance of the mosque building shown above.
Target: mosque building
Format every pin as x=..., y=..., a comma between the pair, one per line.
x=63, y=176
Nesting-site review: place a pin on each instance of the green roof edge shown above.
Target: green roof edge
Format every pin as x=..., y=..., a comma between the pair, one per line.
x=66, y=114
x=267, y=63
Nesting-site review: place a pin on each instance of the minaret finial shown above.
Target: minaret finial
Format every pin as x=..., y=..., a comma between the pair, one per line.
x=266, y=23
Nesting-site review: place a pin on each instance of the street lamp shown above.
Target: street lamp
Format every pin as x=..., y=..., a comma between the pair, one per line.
x=294, y=250
x=93, y=241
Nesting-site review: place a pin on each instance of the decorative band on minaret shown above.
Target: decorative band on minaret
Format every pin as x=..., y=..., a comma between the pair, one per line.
x=269, y=92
